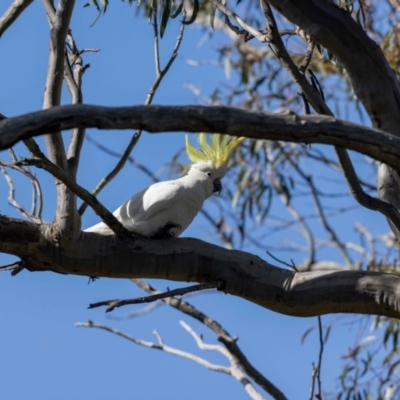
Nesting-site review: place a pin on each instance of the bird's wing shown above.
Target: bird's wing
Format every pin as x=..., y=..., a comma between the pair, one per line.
x=149, y=202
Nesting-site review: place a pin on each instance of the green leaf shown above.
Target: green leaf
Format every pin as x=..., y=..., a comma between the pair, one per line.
x=96, y=4
x=165, y=17
x=212, y=16
x=105, y=5
x=196, y=7
x=177, y=12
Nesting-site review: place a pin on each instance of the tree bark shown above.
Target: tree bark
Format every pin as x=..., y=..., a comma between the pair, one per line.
x=374, y=82
x=226, y=120
x=299, y=294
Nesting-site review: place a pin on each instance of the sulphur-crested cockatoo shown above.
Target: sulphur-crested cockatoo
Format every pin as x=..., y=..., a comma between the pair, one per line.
x=166, y=209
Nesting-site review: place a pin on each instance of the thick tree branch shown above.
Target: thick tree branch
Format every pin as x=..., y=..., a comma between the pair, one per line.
x=316, y=100
x=372, y=79
x=191, y=260
x=59, y=24
x=67, y=217
x=364, y=61
x=290, y=127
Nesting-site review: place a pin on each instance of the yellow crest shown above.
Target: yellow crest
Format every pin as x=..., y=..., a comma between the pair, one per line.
x=218, y=151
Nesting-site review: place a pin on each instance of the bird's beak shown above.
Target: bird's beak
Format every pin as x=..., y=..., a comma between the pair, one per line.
x=217, y=185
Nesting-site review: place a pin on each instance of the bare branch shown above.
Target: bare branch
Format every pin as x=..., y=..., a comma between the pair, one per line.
x=99, y=209
x=320, y=354
x=11, y=194
x=74, y=84
x=112, y=304
x=234, y=369
x=73, y=79
x=300, y=220
x=320, y=106
x=223, y=336
x=364, y=61
x=12, y=13
x=135, y=138
x=262, y=37
x=15, y=266
x=159, y=346
x=37, y=198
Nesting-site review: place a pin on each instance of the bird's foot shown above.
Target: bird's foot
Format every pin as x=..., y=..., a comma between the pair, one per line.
x=164, y=232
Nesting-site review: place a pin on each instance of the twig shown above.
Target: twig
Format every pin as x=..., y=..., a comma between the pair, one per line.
x=299, y=219
x=37, y=198
x=159, y=346
x=224, y=337
x=225, y=238
x=262, y=37
x=232, y=370
x=12, y=13
x=35, y=151
x=133, y=314
x=135, y=138
x=11, y=195
x=319, y=105
x=326, y=225
x=14, y=267
x=307, y=59
x=316, y=370
x=321, y=213
x=280, y=261
x=112, y=304
x=73, y=79
x=321, y=351
x=99, y=209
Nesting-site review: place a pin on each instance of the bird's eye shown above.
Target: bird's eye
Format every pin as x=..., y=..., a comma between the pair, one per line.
x=208, y=173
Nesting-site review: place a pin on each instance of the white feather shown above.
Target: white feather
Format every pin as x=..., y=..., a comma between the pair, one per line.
x=171, y=202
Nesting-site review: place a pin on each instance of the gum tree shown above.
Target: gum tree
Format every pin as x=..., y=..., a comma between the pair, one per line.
x=301, y=56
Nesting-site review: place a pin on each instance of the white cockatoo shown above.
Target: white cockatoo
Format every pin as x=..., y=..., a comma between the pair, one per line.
x=166, y=209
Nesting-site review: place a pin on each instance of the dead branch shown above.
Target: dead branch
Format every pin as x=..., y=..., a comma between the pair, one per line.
x=112, y=304
x=160, y=74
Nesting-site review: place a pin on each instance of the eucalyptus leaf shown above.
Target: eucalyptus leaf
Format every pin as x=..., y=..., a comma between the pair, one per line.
x=196, y=7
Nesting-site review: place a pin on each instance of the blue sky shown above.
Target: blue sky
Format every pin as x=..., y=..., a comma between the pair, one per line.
x=43, y=355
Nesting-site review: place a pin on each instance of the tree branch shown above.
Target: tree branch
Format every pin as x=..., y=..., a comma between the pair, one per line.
x=12, y=13
x=59, y=24
x=364, y=62
x=223, y=336
x=290, y=127
x=191, y=260
x=112, y=304
x=233, y=370
x=316, y=100
x=67, y=217
x=160, y=74
x=98, y=208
